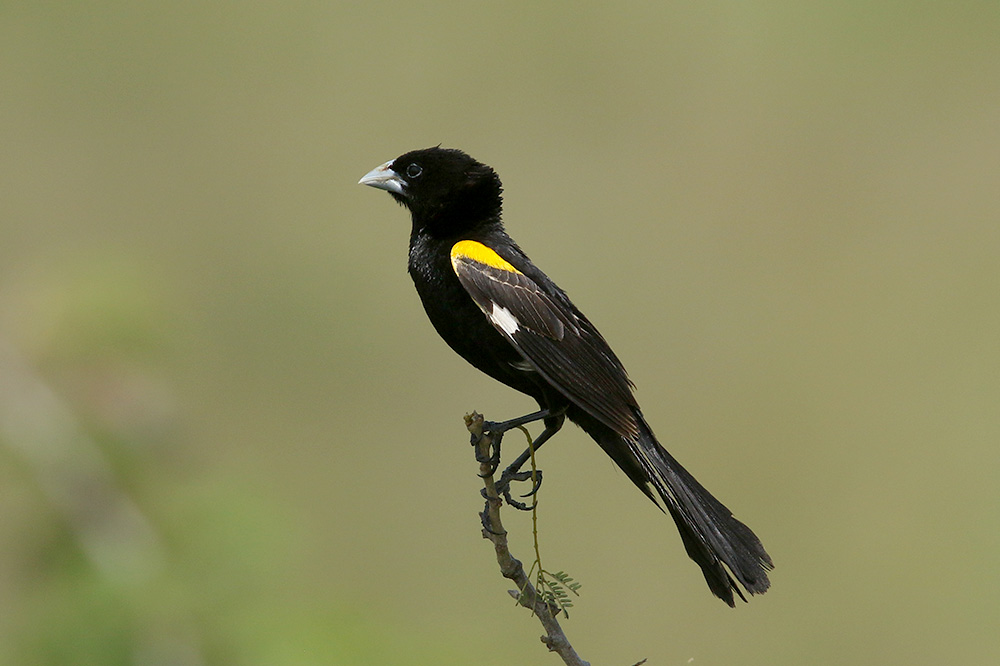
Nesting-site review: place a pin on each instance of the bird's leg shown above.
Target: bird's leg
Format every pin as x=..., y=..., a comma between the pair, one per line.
x=496, y=429
x=501, y=427
x=553, y=422
x=489, y=457
x=553, y=418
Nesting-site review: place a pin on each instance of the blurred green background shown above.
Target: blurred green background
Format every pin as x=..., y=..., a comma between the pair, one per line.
x=229, y=436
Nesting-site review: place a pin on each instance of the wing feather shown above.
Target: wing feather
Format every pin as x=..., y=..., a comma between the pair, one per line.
x=557, y=340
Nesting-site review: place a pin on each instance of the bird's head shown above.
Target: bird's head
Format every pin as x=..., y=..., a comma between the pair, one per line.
x=444, y=189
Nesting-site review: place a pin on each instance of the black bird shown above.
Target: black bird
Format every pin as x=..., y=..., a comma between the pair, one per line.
x=507, y=318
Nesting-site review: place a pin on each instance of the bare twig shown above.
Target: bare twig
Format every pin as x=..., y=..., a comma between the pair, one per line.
x=554, y=639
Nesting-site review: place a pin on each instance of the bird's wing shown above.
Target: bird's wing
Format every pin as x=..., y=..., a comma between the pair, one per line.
x=560, y=344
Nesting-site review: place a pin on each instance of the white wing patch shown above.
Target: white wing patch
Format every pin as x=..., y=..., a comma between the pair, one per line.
x=503, y=319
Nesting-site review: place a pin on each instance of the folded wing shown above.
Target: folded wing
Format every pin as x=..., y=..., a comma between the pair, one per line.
x=558, y=341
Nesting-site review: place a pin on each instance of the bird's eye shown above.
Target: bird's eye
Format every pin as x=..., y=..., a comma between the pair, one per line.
x=414, y=171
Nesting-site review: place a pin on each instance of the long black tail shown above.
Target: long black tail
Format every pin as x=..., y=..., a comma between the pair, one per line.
x=722, y=546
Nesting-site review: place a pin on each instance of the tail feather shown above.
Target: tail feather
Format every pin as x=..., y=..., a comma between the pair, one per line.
x=712, y=536
x=721, y=545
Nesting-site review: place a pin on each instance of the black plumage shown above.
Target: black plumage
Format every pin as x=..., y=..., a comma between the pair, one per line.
x=504, y=316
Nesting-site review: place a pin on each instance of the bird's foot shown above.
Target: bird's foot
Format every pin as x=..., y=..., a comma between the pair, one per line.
x=489, y=456
x=509, y=475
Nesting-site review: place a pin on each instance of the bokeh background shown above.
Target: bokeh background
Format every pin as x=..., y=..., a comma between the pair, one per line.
x=229, y=436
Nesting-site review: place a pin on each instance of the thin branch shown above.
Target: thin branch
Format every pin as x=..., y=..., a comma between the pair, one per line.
x=526, y=595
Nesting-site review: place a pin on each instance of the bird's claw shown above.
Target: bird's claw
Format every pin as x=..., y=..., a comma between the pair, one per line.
x=503, y=486
x=490, y=461
x=484, y=518
x=491, y=458
x=534, y=476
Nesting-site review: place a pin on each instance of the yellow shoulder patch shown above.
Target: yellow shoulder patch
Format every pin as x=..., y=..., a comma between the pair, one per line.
x=479, y=253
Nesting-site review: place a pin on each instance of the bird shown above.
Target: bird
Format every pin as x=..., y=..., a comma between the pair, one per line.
x=503, y=315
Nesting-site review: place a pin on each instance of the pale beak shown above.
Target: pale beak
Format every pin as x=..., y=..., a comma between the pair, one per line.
x=384, y=178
